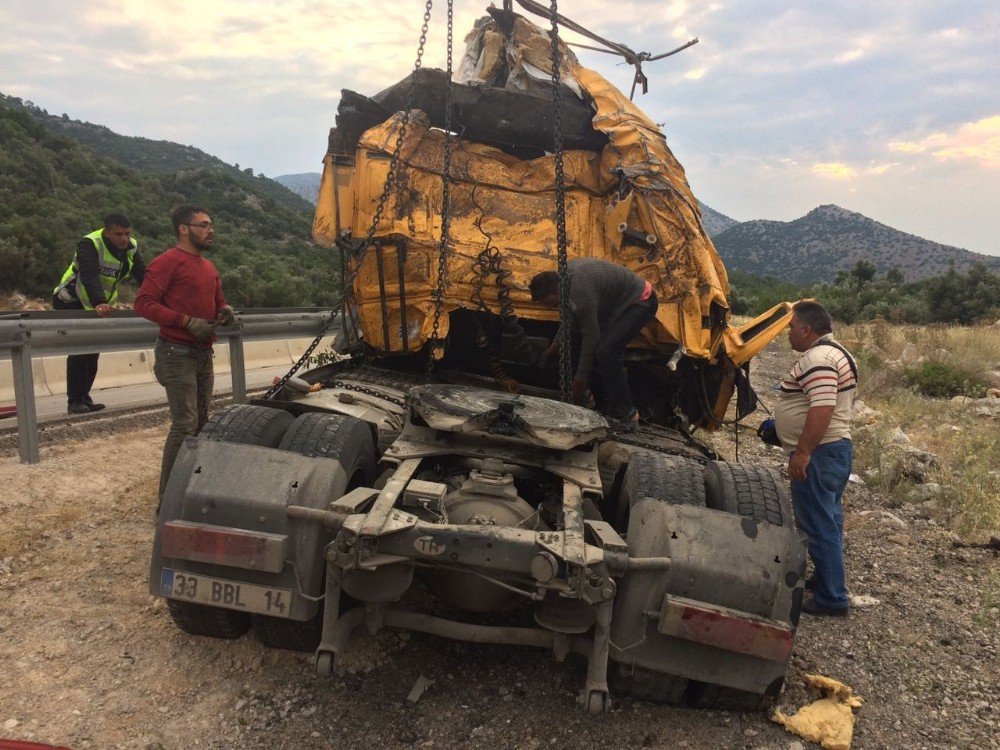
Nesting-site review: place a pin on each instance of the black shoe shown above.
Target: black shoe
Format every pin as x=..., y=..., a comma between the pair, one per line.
x=78, y=408
x=94, y=407
x=810, y=607
x=810, y=583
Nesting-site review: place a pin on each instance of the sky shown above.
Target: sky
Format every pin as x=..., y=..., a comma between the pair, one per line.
x=886, y=107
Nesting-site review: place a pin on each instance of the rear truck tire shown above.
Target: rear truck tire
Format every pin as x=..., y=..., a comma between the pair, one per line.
x=291, y=635
x=248, y=424
x=669, y=479
x=200, y=619
x=704, y=695
x=672, y=479
x=235, y=423
x=318, y=435
x=751, y=491
x=646, y=685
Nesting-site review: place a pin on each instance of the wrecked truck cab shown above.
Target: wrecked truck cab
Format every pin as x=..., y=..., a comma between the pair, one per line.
x=627, y=201
x=432, y=457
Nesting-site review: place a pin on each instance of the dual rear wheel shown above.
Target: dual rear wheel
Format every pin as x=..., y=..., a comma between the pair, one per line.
x=748, y=491
x=314, y=434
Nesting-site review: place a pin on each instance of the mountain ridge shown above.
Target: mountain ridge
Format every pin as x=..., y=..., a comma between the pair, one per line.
x=54, y=189
x=829, y=239
x=152, y=156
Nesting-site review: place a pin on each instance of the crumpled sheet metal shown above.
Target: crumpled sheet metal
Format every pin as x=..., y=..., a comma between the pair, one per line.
x=828, y=721
x=508, y=202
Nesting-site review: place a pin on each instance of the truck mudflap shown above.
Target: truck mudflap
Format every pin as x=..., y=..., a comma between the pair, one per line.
x=726, y=610
x=223, y=536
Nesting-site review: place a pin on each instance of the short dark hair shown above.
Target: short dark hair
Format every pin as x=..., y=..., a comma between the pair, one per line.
x=814, y=315
x=116, y=220
x=543, y=285
x=183, y=214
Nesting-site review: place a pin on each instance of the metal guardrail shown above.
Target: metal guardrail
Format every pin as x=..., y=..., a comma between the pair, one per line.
x=24, y=335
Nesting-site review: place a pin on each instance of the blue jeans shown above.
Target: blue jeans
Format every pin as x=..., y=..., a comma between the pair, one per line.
x=819, y=513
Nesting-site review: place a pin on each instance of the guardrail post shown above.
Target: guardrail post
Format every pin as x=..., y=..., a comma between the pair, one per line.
x=24, y=397
x=237, y=366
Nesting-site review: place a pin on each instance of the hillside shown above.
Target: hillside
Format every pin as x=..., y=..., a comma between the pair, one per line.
x=158, y=157
x=305, y=184
x=715, y=223
x=830, y=239
x=53, y=190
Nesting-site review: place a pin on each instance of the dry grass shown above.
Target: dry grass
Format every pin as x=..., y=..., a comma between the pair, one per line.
x=966, y=445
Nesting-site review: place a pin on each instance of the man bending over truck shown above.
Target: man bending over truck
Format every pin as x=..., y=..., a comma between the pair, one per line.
x=609, y=305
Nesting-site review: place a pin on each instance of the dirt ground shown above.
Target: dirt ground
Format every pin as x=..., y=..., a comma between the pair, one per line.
x=89, y=659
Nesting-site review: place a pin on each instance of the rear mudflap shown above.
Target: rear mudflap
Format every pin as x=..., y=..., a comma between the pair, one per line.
x=726, y=610
x=223, y=517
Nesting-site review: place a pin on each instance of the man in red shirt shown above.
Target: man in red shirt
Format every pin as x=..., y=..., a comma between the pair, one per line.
x=183, y=293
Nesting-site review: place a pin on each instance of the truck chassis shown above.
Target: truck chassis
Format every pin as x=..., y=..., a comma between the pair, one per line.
x=677, y=576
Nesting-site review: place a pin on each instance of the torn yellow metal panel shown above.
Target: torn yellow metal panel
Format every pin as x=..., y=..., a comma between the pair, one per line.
x=335, y=201
x=746, y=341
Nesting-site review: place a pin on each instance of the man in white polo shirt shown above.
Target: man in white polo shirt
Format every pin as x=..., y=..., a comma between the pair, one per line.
x=813, y=419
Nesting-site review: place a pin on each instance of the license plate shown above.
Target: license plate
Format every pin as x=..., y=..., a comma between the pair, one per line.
x=218, y=592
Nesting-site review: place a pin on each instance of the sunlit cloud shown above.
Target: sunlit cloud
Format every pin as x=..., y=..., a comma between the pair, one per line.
x=834, y=169
x=849, y=56
x=978, y=142
x=694, y=75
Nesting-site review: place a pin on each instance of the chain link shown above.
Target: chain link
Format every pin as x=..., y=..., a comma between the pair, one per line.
x=367, y=390
x=561, y=256
x=347, y=286
x=438, y=293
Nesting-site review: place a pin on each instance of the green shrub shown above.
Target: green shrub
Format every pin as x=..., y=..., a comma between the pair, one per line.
x=943, y=380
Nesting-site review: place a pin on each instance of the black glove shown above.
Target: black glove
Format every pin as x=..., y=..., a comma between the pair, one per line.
x=225, y=316
x=201, y=329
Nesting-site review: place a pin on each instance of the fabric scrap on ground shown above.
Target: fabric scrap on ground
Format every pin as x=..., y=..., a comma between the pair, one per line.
x=828, y=721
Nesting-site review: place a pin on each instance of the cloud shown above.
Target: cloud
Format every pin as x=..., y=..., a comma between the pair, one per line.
x=881, y=168
x=978, y=142
x=834, y=169
x=695, y=74
x=849, y=56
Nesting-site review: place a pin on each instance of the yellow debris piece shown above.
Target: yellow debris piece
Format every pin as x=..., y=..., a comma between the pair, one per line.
x=828, y=721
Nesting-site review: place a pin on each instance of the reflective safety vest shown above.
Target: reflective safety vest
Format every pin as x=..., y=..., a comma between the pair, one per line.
x=111, y=270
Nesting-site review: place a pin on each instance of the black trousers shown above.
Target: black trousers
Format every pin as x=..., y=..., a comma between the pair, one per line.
x=608, y=376
x=81, y=369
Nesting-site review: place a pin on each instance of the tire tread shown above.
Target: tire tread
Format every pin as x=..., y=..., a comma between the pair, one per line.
x=214, y=622
x=248, y=424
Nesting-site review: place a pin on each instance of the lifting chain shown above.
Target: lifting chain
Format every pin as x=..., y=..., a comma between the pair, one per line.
x=435, y=341
x=488, y=262
x=347, y=285
x=368, y=391
x=565, y=322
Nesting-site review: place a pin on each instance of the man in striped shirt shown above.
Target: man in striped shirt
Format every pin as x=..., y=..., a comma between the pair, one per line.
x=813, y=416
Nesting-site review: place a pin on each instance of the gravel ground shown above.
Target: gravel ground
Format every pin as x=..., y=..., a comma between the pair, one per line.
x=88, y=659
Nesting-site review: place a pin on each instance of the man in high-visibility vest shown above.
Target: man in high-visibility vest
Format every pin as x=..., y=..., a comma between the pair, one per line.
x=102, y=259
